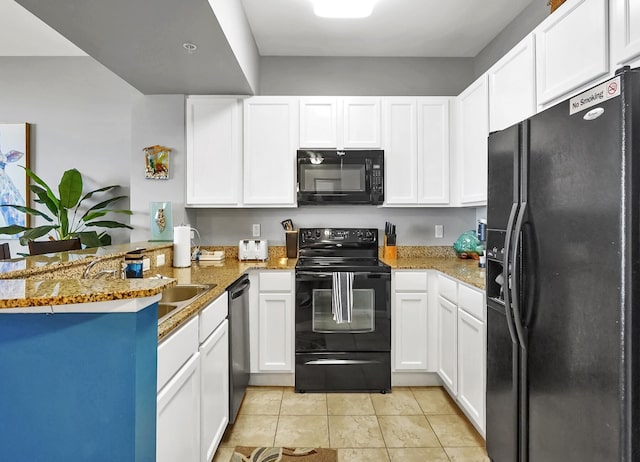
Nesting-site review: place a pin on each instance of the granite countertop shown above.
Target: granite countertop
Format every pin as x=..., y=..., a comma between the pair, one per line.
x=466, y=271
x=24, y=293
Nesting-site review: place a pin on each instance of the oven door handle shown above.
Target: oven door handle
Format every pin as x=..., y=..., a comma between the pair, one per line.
x=338, y=362
x=328, y=274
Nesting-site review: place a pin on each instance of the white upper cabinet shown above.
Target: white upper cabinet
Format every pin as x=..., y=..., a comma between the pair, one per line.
x=512, y=86
x=433, y=150
x=416, y=144
x=625, y=31
x=571, y=49
x=318, y=122
x=214, y=151
x=330, y=122
x=472, y=132
x=400, y=150
x=361, y=122
x=270, y=143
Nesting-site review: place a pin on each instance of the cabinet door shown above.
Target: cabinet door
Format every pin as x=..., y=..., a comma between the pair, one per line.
x=361, y=123
x=571, y=49
x=400, y=151
x=214, y=366
x=512, y=86
x=410, y=331
x=433, y=151
x=214, y=155
x=471, y=367
x=448, y=344
x=275, y=332
x=318, y=122
x=472, y=133
x=178, y=423
x=270, y=142
x=625, y=30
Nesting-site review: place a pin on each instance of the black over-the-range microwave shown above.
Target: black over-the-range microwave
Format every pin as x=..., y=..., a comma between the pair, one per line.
x=332, y=177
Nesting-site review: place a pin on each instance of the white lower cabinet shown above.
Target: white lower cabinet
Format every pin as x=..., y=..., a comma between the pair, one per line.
x=178, y=422
x=410, y=321
x=448, y=344
x=471, y=364
x=275, y=318
x=214, y=417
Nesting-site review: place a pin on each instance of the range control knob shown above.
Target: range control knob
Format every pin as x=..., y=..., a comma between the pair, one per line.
x=368, y=235
x=317, y=234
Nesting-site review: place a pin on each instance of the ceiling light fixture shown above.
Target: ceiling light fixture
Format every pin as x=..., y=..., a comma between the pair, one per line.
x=190, y=47
x=343, y=8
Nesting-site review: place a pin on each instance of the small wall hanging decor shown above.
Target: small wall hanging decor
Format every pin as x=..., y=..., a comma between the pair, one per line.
x=157, y=162
x=14, y=153
x=161, y=221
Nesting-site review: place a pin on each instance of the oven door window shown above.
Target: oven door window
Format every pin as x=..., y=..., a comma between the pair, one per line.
x=332, y=178
x=362, y=318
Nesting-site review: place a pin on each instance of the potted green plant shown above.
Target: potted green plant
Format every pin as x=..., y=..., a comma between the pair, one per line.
x=66, y=219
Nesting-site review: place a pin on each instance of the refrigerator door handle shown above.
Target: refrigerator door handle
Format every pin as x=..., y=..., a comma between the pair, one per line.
x=507, y=291
x=515, y=285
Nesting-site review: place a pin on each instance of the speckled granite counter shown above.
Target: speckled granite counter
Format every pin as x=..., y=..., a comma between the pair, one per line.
x=23, y=293
x=466, y=271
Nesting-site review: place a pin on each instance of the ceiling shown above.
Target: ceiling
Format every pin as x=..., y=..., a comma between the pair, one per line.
x=141, y=40
x=416, y=28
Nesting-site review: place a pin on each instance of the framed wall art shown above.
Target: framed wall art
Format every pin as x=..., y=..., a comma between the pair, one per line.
x=157, y=162
x=14, y=153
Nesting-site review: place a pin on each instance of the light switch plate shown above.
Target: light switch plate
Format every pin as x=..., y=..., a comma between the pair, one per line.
x=256, y=230
x=146, y=264
x=160, y=260
x=439, y=231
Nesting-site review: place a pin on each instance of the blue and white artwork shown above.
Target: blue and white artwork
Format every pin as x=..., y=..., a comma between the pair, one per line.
x=14, y=153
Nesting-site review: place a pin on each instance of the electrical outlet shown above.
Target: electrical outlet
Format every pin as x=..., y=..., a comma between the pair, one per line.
x=146, y=264
x=439, y=231
x=256, y=230
x=160, y=260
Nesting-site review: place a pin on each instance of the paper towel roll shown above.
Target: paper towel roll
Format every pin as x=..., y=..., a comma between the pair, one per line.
x=182, y=246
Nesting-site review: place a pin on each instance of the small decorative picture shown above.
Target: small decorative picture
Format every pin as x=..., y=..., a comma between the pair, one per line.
x=161, y=221
x=157, y=162
x=14, y=153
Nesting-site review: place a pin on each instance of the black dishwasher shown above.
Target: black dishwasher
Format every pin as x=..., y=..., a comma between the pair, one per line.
x=238, y=343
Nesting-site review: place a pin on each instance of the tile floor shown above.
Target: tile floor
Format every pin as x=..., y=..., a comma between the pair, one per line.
x=411, y=424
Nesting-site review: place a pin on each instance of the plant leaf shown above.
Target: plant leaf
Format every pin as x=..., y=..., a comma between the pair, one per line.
x=44, y=199
x=91, y=193
x=109, y=224
x=34, y=233
x=12, y=229
x=29, y=210
x=46, y=187
x=88, y=238
x=64, y=223
x=105, y=239
x=102, y=205
x=70, y=188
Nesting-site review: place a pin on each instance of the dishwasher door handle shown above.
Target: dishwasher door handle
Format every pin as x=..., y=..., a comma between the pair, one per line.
x=239, y=290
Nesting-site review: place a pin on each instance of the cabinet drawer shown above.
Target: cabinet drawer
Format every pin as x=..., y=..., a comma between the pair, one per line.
x=212, y=316
x=275, y=281
x=472, y=301
x=411, y=281
x=176, y=350
x=448, y=288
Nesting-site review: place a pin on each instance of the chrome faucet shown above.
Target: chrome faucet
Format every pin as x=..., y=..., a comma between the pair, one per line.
x=99, y=274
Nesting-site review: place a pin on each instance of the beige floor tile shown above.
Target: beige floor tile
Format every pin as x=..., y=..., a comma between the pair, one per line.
x=302, y=431
x=467, y=454
x=363, y=455
x=360, y=431
x=407, y=432
x=435, y=400
x=303, y=403
x=418, y=455
x=455, y=431
x=251, y=430
x=223, y=455
x=349, y=404
x=399, y=402
x=261, y=402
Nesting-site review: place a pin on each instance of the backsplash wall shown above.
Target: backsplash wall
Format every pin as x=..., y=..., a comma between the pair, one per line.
x=415, y=226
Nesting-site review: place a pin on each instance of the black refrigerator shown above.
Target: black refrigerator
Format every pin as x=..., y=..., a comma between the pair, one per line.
x=563, y=259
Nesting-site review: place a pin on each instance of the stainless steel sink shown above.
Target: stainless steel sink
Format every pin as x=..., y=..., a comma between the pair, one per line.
x=177, y=297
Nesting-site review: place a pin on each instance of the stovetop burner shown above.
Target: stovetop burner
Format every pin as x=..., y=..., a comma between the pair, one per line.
x=340, y=249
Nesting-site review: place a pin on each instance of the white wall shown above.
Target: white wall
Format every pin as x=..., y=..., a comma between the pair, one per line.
x=81, y=118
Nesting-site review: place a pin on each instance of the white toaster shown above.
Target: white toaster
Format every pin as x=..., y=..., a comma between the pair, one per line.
x=253, y=249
